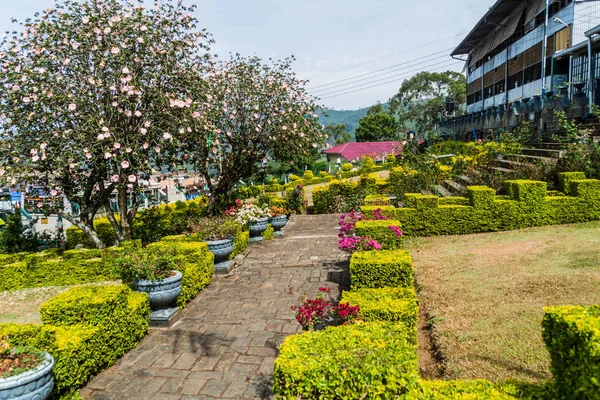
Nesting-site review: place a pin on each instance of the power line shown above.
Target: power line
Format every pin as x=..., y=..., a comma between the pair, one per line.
x=391, y=55
x=421, y=68
x=381, y=84
x=334, y=83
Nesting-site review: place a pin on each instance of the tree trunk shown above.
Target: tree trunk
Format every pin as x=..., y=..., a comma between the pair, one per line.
x=88, y=229
x=113, y=222
x=124, y=221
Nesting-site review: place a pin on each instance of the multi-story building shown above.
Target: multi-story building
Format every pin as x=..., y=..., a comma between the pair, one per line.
x=504, y=54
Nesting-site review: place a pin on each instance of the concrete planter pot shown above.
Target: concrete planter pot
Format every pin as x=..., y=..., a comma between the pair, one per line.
x=258, y=227
x=278, y=222
x=36, y=384
x=221, y=249
x=161, y=293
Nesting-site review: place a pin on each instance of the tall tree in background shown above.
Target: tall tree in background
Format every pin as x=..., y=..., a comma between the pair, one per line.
x=377, y=126
x=249, y=111
x=337, y=134
x=421, y=99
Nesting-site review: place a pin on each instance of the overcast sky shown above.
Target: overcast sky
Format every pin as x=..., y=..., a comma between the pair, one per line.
x=332, y=40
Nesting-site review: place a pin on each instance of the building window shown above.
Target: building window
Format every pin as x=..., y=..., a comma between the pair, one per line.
x=580, y=69
x=533, y=73
x=516, y=80
x=499, y=87
x=597, y=65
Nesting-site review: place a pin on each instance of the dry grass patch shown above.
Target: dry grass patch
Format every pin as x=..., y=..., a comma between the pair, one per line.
x=485, y=294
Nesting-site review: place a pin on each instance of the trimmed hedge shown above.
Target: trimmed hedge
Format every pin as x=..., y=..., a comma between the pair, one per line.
x=366, y=361
x=38, y=272
x=464, y=390
x=572, y=336
x=86, y=330
x=377, y=200
x=379, y=269
x=529, y=206
x=195, y=263
x=387, y=304
x=381, y=232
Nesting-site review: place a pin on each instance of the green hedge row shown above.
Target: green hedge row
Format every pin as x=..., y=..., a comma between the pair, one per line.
x=377, y=200
x=387, y=304
x=528, y=206
x=572, y=336
x=381, y=232
x=86, y=330
x=380, y=269
x=149, y=225
x=362, y=361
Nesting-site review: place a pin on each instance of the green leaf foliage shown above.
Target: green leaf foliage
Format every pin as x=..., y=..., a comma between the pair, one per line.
x=381, y=232
x=387, y=304
x=527, y=205
x=380, y=269
x=572, y=336
x=377, y=128
x=360, y=361
x=86, y=330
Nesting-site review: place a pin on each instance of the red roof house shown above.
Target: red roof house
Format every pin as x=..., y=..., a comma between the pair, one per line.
x=353, y=151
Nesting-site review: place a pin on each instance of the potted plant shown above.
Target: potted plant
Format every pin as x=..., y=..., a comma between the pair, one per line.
x=152, y=272
x=278, y=217
x=218, y=233
x=25, y=373
x=255, y=217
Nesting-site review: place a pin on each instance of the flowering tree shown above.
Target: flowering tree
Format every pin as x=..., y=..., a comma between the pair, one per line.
x=251, y=111
x=91, y=99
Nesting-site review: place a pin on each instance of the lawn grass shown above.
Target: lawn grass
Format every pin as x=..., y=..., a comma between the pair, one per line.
x=484, y=294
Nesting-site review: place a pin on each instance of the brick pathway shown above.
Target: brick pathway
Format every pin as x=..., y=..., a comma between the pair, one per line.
x=226, y=340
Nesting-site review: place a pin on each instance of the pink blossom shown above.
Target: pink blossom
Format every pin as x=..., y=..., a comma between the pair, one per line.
x=157, y=149
x=40, y=204
x=131, y=178
x=88, y=155
x=115, y=178
x=85, y=20
x=100, y=137
x=115, y=50
x=72, y=107
x=129, y=149
x=117, y=145
x=53, y=192
x=35, y=158
x=140, y=39
x=125, y=164
x=138, y=113
x=143, y=131
x=125, y=70
x=26, y=100
x=167, y=136
x=128, y=113
x=107, y=155
x=145, y=146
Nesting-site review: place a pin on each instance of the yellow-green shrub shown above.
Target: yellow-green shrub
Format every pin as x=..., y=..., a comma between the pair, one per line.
x=572, y=337
x=361, y=361
x=464, y=390
x=98, y=325
x=380, y=231
x=377, y=200
x=195, y=263
x=268, y=233
x=387, y=304
x=347, y=167
x=528, y=206
x=379, y=269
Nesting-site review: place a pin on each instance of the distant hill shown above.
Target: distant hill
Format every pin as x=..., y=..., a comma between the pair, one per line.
x=349, y=118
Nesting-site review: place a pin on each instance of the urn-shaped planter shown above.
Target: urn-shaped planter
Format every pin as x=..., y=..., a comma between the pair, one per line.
x=221, y=249
x=258, y=227
x=35, y=384
x=161, y=293
x=278, y=222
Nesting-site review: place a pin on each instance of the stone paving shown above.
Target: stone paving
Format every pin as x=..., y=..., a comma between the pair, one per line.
x=225, y=342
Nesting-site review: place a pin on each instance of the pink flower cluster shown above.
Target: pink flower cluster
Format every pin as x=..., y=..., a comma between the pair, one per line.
x=396, y=230
x=348, y=240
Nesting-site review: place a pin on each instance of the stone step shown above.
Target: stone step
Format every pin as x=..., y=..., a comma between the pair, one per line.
x=549, y=153
x=503, y=170
x=442, y=191
x=548, y=146
x=464, y=180
x=454, y=187
x=426, y=192
x=527, y=158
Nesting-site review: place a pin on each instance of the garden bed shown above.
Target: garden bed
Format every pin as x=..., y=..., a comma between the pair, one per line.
x=485, y=294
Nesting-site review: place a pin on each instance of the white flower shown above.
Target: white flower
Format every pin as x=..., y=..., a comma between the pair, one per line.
x=107, y=155
x=85, y=20
x=125, y=70
x=167, y=136
x=138, y=113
